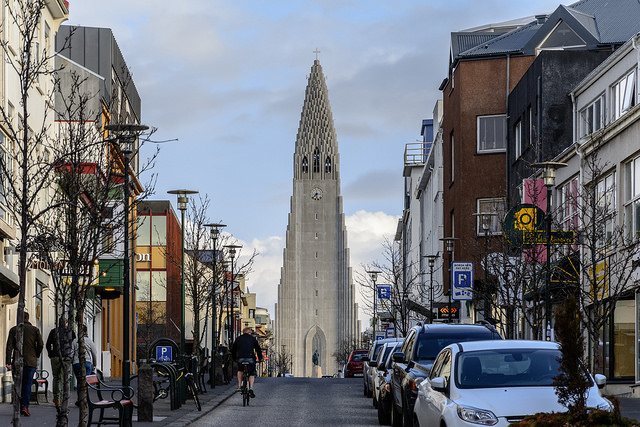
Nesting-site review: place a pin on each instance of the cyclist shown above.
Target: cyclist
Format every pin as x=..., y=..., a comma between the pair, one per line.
x=246, y=347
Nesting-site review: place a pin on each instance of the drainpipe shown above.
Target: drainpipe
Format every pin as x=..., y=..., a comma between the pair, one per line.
x=507, y=159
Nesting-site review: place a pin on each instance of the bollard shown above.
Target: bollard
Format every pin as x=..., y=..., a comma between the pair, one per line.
x=145, y=393
x=7, y=387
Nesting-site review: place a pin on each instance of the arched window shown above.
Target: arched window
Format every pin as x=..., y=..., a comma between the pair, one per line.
x=305, y=165
x=327, y=165
x=316, y=161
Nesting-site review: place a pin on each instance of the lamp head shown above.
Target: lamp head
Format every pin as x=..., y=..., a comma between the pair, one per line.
x=183, y=197
x=431, y=259
x=215, y=229
x=549, y=171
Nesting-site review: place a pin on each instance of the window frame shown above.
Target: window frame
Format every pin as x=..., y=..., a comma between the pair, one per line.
x=595, y=120
x=623, y=94
x=481, y=147
x=497, y=207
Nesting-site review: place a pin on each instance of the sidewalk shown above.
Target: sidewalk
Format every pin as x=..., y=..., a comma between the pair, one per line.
x=45, y=413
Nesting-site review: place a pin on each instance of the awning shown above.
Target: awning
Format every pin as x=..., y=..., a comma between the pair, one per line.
x=565, y=271
x=9, y=282
x=110, y=279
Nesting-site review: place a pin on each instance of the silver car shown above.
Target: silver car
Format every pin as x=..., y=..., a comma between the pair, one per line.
x=494, y=383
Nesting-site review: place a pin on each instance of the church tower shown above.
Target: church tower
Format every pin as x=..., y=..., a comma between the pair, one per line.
x=316, y=310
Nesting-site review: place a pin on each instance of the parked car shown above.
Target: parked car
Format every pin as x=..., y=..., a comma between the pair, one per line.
x=381, y=387
x=369, y=372
x=355, y=364
x=494, y=383
x=419, y=349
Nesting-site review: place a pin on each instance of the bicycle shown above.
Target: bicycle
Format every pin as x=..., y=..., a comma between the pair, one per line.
x=192, y=387
x=244, y=389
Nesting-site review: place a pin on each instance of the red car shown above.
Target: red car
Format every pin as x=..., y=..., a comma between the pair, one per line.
x=356, y=363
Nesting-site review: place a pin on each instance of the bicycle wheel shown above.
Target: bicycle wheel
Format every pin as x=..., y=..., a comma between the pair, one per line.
x=245, y=389
x=191, y=387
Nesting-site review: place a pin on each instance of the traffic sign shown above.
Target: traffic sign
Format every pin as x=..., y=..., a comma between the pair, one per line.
x=462, y=280
x=164, y=353
x=384, y=291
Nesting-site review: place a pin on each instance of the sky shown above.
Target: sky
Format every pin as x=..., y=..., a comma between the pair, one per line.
x=224, y=81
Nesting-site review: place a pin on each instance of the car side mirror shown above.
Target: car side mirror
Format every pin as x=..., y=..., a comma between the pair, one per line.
x=373, y=363
x=398, y=357
x=439, y=384
x=601, y=380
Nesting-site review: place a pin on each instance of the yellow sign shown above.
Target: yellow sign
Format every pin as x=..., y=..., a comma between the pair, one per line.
x=599, y=280
x=525, y=219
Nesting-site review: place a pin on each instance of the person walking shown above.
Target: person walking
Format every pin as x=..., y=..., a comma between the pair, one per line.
x=32, y=346
x=90, y=355
x=54, y=346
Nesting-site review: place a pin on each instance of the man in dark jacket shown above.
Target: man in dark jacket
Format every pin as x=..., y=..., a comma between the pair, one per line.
x=246, y=347
x=31, y=349
x=55, y=345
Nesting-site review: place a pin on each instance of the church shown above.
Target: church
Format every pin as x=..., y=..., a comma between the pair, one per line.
x=316, y=312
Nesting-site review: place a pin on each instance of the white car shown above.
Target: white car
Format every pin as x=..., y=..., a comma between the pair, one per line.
x=494, y=383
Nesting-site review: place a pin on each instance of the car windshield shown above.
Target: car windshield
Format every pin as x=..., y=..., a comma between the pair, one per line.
x=507, y=368
x=430, y=345
x=357, y=357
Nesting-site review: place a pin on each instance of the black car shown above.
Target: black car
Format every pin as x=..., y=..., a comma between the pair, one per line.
x=411, y=364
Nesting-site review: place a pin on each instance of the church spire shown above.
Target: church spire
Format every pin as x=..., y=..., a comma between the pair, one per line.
x=316, y=152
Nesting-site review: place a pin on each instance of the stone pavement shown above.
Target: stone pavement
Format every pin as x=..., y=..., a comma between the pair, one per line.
x=45, y=413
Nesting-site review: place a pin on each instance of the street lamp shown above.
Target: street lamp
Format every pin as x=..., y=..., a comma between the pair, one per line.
x=432, y=261
x=215, y=232
x=549, y=176
x=485, y=222
x=449, y=244
x=232, y=254
x=374, y=276
x=127, y=135
x=183, y=201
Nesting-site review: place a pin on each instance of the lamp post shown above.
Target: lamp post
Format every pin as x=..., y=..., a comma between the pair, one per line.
x=432, y=261
x=215, y=232
x=549, y=176
x=183, y=201
x=449, y=244
x=127, y=135
x=374, y=276
x=232, y=254
x=485, y=222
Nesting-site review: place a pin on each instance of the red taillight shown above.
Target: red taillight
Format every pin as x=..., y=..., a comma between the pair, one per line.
x=413, y=385
x=387, y=388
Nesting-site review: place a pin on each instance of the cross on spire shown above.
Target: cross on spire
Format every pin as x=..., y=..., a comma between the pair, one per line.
x=316, y=52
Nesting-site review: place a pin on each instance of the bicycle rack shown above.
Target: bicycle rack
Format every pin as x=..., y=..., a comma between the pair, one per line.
x=174, y=392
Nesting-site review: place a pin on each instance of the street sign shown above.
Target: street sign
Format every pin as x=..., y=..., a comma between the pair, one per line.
x=443, y=311
x=384, y=291
x=540, y=238
x=391, y=332
x=462, y=280
x=380, y=335
x=164, y=353
x=521, y=219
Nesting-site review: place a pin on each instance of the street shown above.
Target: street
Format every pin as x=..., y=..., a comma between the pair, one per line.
x=297, y=402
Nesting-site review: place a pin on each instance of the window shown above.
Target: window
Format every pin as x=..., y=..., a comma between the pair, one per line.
x=108, y=239
x=491, y=133
x=592, y=117
x=569, y=205
x=605, y=200
x=5, y=193
x=305, y=165
x=518, y=140
x=632, y=198
x=492, y=206
x=316, y=161
x=327, y=165
x=452, y=157
x=623, y=95
x=531, y=127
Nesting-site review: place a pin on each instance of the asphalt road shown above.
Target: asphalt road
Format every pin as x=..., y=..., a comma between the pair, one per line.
x=297, y=402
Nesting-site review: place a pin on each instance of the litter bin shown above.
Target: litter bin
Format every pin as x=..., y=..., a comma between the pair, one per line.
x=7, y=387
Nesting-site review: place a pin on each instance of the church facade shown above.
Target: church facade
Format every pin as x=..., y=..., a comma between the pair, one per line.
x=316, y=313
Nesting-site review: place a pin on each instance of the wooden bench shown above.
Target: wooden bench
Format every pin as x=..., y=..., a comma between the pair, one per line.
x=40, y=380
x=121, y=399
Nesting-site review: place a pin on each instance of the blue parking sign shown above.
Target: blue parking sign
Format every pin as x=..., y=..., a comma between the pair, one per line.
x=384, y=291
x=462, y=281
x=164, y=353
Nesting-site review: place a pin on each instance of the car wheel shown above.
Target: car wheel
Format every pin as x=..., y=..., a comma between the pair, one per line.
x=416, y=423
x=365, y=393
x=375, y=401
x=383, y=416
x=396, y=416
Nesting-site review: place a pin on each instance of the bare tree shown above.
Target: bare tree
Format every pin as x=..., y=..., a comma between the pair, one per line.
x=607, y=251
x=402, y=288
